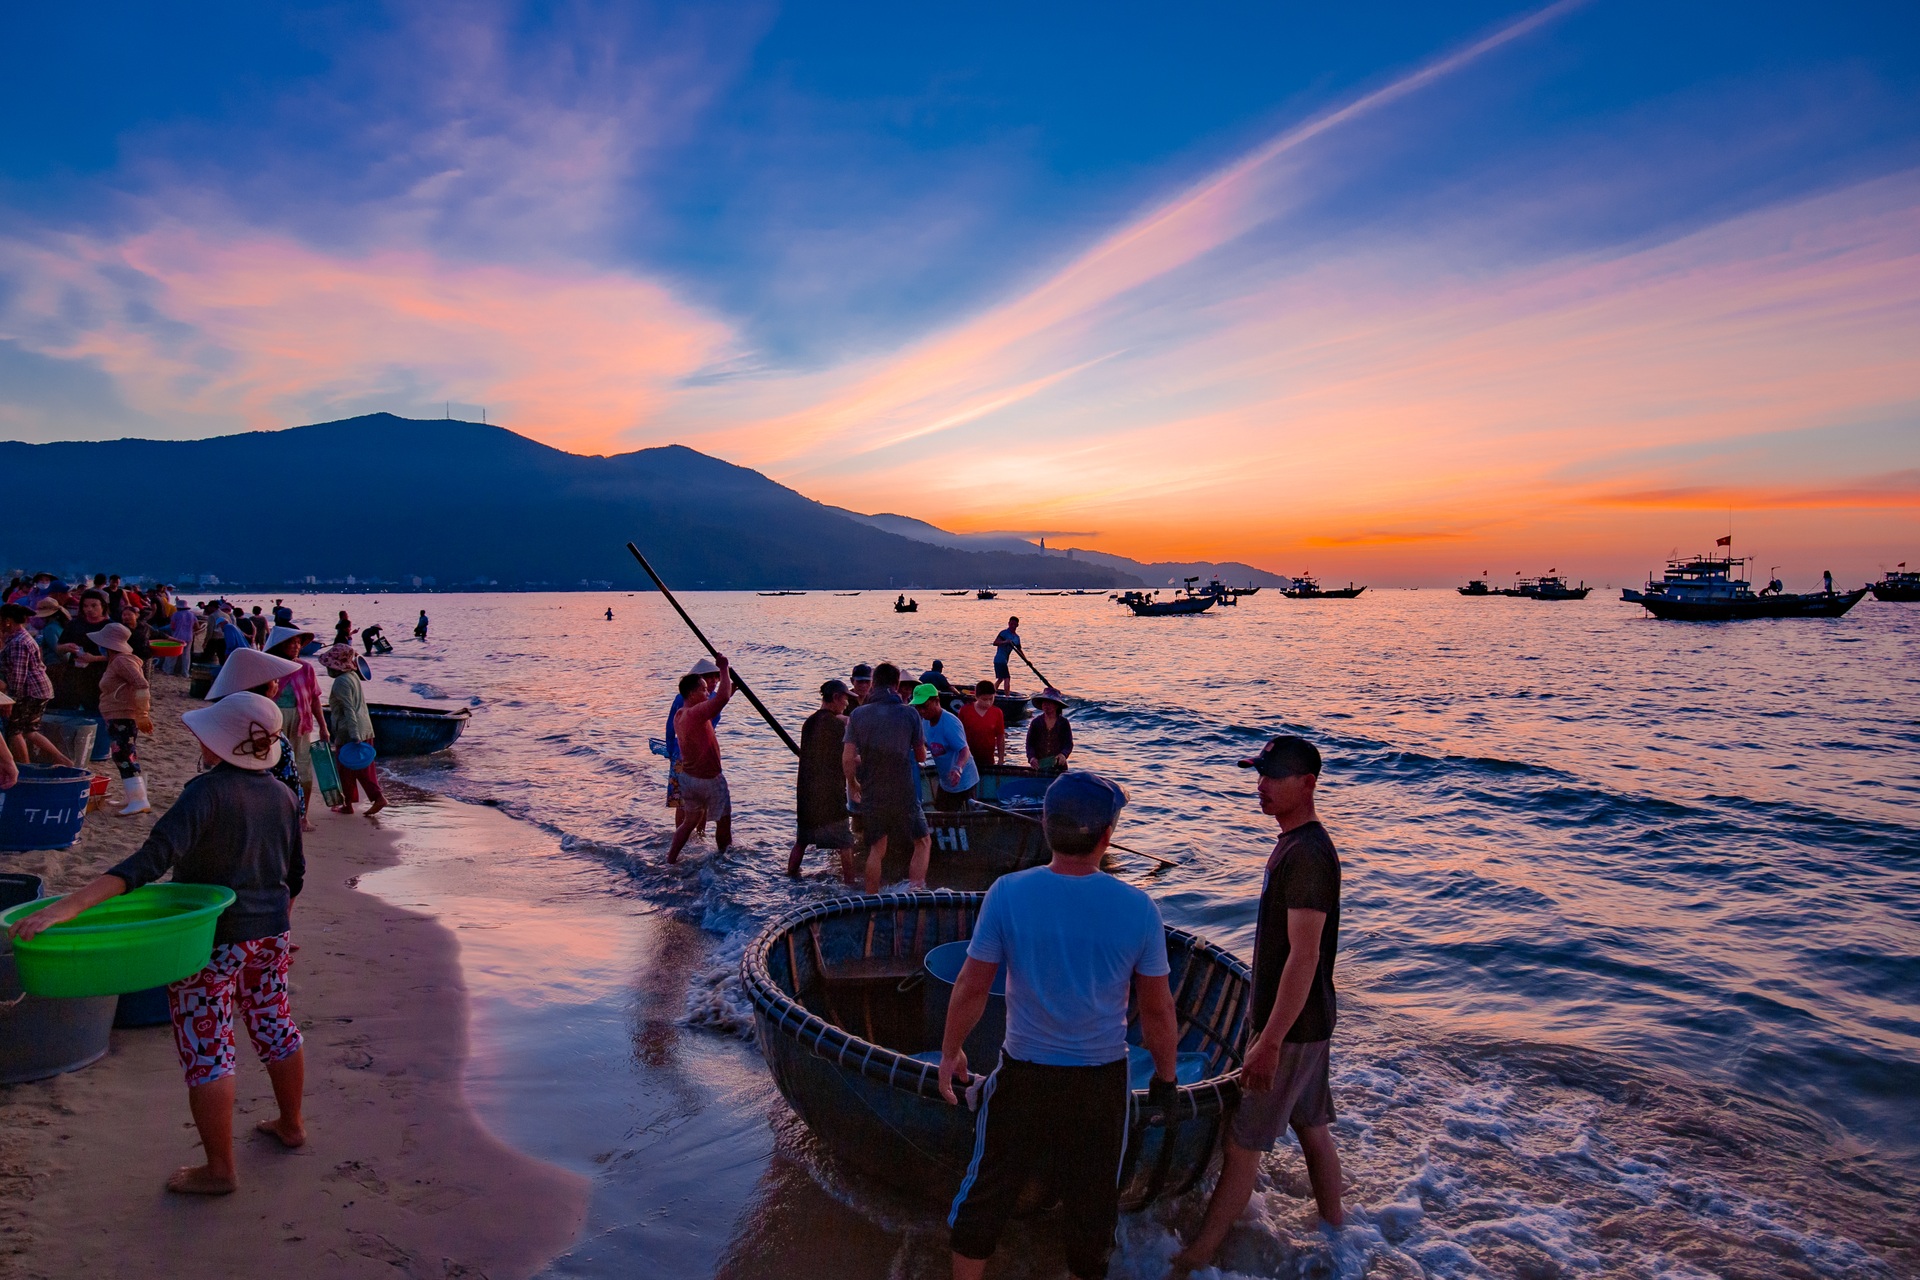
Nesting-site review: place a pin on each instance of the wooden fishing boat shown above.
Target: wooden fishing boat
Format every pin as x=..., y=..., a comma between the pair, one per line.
x=1709, y=588
x=1307, y=587
x=415, y=731
x=783, y=593
x=984, y=594
x=1145, y=606
x=912, y=606
x=962, y=592
x=1014, y=706
x=1476, y=587
x=849, y=1024
x=1899, y=587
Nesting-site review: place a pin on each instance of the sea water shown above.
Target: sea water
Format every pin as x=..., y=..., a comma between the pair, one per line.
x=1630, y=959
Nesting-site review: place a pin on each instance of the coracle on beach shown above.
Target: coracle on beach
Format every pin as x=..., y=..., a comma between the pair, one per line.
x=839, y=1007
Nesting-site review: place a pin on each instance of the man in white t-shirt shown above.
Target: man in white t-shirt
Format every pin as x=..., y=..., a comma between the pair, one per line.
x=1075, y=942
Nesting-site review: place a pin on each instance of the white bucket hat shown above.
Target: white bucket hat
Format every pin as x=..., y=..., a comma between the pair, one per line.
x=248, y=669
x=114, y=636
x=280, y=635
x=242, y=729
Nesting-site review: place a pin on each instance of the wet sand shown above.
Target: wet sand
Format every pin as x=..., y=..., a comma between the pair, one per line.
x=399, y=1174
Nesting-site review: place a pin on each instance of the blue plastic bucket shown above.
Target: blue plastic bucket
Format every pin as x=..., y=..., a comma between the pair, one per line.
x=45, y=808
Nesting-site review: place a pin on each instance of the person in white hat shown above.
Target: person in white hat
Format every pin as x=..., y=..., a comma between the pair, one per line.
x=126, y=704
x=299, y=699
x=251, y=671
x=233, y=825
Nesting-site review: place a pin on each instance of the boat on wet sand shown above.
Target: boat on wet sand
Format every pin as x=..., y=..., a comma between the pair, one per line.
x=849, y=1020
x=415, y=731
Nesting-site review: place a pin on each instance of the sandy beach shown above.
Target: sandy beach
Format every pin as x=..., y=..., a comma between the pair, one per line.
x=398, y=1174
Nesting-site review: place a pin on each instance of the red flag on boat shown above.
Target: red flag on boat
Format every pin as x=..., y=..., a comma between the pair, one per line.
x=1725, y=542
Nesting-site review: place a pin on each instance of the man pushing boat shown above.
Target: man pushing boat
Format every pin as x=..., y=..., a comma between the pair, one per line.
x=1075, y=942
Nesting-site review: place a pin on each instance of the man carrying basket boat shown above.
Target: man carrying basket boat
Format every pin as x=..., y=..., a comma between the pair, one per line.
x=1075, y=942
x=233, y=825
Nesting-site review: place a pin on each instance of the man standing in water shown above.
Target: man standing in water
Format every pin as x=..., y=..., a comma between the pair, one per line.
x=420, y=627
x=886, y=740
x=1005, y=645
x=1284, y=1077
x=703, y=787
x=822, y=801
x=1075, y=942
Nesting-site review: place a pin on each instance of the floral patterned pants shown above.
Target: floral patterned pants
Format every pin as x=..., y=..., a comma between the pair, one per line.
x=254, y=972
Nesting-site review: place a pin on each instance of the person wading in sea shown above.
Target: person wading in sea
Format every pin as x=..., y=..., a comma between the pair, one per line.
x=1005, y=645
x=1076, y=942
x=703, y=787
x=886, y=741
x=956, y=776
x=986, y=725
x=1283, y=1080
x=822, y=800
x=420, y=627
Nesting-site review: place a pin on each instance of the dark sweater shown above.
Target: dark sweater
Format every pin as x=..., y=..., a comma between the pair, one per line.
x=234, y=827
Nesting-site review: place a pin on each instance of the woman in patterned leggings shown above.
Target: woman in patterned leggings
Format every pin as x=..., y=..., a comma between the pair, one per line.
x=233, y=825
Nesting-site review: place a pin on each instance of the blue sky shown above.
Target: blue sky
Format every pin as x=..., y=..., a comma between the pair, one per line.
x=746, y=225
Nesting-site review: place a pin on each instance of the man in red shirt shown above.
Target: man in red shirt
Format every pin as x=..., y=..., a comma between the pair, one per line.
x=986, y=726
x=703, y=787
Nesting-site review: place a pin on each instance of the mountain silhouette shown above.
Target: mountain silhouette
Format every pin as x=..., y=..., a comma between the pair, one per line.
x=388, y=499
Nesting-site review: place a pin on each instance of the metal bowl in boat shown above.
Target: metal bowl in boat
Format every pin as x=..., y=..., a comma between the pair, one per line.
x=834, y=993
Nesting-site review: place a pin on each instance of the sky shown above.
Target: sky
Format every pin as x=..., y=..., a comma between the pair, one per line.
x=1392, y=291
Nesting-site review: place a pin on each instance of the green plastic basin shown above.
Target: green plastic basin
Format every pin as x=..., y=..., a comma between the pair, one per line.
x=156, y=934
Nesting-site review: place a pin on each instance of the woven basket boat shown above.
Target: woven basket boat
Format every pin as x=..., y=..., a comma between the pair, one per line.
x=838, y=996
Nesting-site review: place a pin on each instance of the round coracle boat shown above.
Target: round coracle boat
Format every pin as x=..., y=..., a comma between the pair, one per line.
x=850, y=1020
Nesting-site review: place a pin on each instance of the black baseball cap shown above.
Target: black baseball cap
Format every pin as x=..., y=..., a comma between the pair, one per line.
x=1284, y=757
x=863, y=672
x=832, y=689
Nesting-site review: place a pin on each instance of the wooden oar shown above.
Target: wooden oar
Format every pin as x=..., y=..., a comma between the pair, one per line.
x=1113, y=844
x=738, y=683
x=1029, y=661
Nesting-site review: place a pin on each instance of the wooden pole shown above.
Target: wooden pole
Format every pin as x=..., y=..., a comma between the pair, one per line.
x=738, y=683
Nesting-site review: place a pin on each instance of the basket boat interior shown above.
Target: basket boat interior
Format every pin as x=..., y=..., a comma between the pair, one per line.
x=859, y=965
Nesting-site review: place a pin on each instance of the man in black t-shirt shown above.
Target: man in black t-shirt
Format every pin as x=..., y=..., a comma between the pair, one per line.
x=1284, y=1077
x=822, y=807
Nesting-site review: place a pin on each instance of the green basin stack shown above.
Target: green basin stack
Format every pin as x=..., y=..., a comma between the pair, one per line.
x=151, y=936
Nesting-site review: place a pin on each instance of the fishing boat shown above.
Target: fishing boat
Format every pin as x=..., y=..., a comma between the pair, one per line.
x=911, y=606
x=783, y=593
x=1046, y=593
x=1708, y=588
x=961, y=592
x=1014, y=706
x=1477, y=586
x=1898, y=587
x=1145, y=606
x=984, y=594
x=1307, y=587
x=850, y=1010
x=1219, y=591
x=415, y=731
x=846, y=593
x=1547, y=587
x=975, y=846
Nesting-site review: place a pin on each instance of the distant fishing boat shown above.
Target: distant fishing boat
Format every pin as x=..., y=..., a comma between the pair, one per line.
x=1145, y=606
x=783, y=593
x=1898, y=587
x=1547, y=587
x=984, y=594
x=849, y=1010
x=1307, y=587
x=911, y=606
x=1477, y=586
x=846, y=593
x=1218, y=591
x=963, y=591
x=1046, y=593
x=1706, y=588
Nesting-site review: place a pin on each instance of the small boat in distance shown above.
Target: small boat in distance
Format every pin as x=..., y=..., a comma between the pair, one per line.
x=1548, y=587
x=963, y=591
x=1899, y=586
x=903, y=605
x=783, y=593
x=1145, y=606
x=1307, y=587
x=1477, y=586
x=984, y=594
x=1706, y=588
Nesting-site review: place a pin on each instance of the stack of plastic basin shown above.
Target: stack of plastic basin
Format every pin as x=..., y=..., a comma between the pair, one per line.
x=44, y=1037
x=45, y=808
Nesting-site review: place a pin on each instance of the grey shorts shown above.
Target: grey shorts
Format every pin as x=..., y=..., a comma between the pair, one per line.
x=1300, y=1097
x=709, y=795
